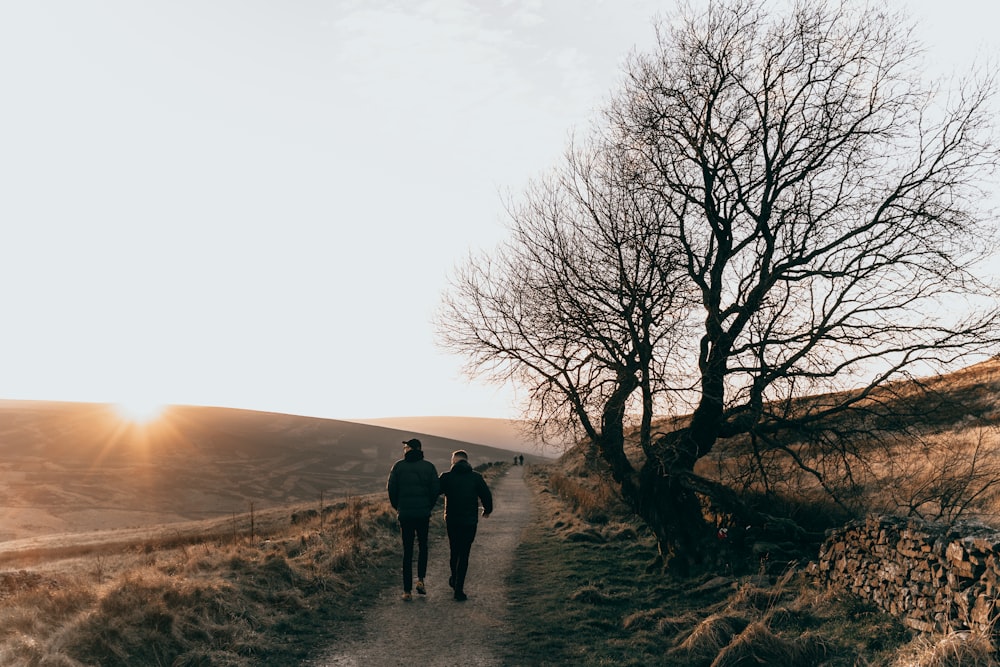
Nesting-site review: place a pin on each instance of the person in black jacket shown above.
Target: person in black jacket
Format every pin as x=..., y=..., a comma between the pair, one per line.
x=463, y=489
x=413, y=492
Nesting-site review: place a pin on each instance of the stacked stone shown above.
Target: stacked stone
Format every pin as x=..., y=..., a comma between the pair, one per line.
x=936, y=578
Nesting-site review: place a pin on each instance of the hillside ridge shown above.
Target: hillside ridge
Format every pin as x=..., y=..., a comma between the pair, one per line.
x=75, y=467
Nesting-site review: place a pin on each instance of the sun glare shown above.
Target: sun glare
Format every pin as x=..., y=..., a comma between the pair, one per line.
x=139, y=411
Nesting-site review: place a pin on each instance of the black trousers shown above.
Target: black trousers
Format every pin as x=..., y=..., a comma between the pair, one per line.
x=411, y=529
x=460, y=539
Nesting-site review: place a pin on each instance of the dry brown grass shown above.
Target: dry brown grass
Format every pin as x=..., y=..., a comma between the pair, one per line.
x=706, y=640
x=927, y=448
x=943, y=462
x=954, y=650
x=211, y=602
x=757, y=645
x=625, y=614
x=256, y=589
x=591, y=498
x=947, y=475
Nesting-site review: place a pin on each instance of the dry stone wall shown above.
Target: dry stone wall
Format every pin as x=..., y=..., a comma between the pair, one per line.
x=937, y=578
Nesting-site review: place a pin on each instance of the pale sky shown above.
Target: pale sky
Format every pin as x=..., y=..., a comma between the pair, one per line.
x=256, y=204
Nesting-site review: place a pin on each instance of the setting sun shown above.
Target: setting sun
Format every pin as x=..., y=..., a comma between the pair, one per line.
x=139, y=411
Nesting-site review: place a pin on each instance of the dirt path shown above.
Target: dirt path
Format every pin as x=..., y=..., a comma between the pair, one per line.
x=436, y=630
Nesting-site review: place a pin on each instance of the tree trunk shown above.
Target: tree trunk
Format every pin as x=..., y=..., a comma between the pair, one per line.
x=658, y=492
x=667, y=501
x=671, y=509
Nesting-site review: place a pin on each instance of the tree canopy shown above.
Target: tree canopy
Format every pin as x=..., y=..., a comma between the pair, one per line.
x=773, y=206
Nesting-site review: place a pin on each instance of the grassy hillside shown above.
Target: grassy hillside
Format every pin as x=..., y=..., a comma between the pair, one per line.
x=261, y=589
x=241, y=596
x=269, y=586
x=503, y=433
x=70, y=467
x=926, y=447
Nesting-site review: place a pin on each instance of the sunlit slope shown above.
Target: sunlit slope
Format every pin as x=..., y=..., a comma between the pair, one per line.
x=72, y=466
x=503, y=433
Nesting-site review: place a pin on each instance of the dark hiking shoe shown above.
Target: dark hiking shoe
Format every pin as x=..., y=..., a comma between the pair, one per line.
x=406, y=596
x=460, y=597
x=421, y=588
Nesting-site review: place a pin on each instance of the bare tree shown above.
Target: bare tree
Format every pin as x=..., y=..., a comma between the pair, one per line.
x=582, y=305
x=801, y=214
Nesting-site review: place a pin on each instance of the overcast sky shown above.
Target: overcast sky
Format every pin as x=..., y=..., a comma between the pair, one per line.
x=256, y=204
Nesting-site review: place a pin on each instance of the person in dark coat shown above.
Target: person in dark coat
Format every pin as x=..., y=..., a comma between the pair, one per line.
x=463, y=489
x=413, y=492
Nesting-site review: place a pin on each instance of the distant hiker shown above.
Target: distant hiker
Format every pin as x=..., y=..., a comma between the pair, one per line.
x=413, y=492
x=463, y=489
x=515, y=459
x=520, y=460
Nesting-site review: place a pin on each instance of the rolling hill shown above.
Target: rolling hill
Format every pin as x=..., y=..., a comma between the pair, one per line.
x=503, y=433
x=77, y=467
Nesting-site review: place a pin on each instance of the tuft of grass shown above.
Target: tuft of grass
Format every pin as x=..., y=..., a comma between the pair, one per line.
x=591, y=501
x=591, y=595
x=954, y=650
x=758, y=645
x=708, y=638
x=957, y=649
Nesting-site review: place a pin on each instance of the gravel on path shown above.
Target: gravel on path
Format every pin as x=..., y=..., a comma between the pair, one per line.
x=434, y=629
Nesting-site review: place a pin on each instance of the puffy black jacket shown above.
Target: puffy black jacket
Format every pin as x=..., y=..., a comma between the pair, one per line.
x=463, y=488
x=413, y=486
